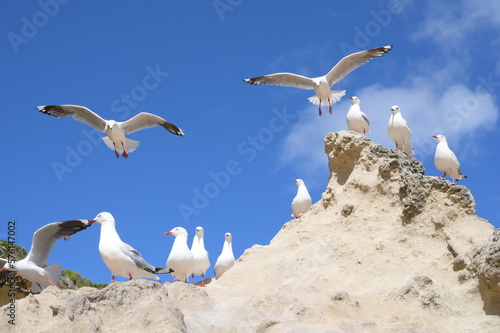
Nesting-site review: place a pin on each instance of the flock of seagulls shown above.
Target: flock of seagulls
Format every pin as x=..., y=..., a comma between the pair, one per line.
x=398, y=128
x=120, y=258
x=184, y=262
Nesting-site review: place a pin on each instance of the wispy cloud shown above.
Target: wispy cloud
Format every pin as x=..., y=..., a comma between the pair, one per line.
x=453, y=25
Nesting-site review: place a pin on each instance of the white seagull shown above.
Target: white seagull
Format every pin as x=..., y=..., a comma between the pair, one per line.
x=121, y=258
x=356, y=119
x=200, y=255
x=399, y=131
x=180, y=258
x=302, y=201
x=445, y=159
x=114, y=130
x=322, y=84
x=31, y=268
x=226, y=259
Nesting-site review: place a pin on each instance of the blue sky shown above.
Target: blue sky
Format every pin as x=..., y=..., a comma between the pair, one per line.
x=244, y=145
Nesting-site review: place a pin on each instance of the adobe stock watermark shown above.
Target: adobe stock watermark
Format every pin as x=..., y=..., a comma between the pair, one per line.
x=31, y=25
x=121, y=106
x=247, y=150
x=381, y=19
x=223, y=6
x=455, y=115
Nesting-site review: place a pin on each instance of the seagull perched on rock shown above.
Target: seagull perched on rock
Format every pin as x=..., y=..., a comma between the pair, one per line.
x=399, y=131
x=200, y=255
x=32, y=267
x=114, y=130
x=322, y=84
x=356, y=120
x=121, y=258
x=302, y=201
x=445, y=159
x=226, y=259
x=180, y=258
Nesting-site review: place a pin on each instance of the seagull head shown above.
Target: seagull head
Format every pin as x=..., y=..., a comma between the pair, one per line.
x=299, y=182
x=439, y=138
x=200, y=231
x=109, y=124
x=8, y=267
x=228, y=237
x=177, y=231
x=354, y=100
x=102, y=218
x=395, y=109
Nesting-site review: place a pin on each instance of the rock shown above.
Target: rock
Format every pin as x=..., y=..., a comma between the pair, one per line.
x=485, y=266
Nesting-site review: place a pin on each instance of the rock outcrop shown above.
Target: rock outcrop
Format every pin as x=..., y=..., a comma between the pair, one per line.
x=386, y=249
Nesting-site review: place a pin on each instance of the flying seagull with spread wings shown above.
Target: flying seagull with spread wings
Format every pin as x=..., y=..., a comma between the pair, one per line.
x=32, y=267
x=114, y=130
x=322, y=84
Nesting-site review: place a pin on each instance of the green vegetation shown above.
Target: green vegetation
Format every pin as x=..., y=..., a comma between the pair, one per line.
x=81, y=281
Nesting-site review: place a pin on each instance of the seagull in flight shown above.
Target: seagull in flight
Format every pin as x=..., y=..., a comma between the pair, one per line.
x=115, y=130
x=32, y=267
x=322, y=84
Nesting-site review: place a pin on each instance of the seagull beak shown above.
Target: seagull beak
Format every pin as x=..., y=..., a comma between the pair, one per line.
x=90, y=222
x=435, y=137
x=2, y=269
x=168, y=233
x=350, y=97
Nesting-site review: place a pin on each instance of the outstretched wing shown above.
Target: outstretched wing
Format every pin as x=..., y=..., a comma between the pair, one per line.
x=45, y=238
x=146, y=120
x=79, y=113
x=353, y=61
x=283, y=79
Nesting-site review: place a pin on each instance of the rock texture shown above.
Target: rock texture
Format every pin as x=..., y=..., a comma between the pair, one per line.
x=386, y=249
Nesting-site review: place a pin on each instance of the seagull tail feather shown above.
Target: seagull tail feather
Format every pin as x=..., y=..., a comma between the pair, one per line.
x=130, y=145
x=334, y=98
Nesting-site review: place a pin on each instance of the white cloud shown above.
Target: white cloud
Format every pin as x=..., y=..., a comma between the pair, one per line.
x=452, y=23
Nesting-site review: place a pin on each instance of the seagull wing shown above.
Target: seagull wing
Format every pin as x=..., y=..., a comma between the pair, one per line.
x=146, y=120
x=79, y=113
x=349, y=63
x=45, y=238
x=283, y=79
x=365, y=118
x=139, y=261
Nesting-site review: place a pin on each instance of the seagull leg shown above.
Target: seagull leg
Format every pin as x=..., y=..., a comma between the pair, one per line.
x=116, y=153
x=319, y=109
x=112, y=278
x=52, y=283
x=330, y=110
x=125, y=154
x=192, y=278
x=130, y=276
x=202, y=280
